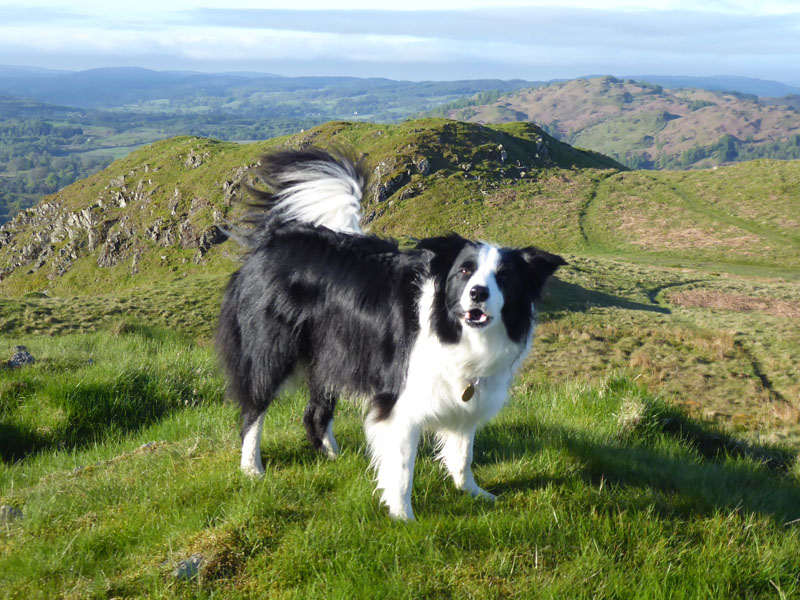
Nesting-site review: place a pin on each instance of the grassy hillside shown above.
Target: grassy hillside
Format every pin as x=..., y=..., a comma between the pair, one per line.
x=703, y=248
x=649, y=449
x=157, y=212
x=647, y=126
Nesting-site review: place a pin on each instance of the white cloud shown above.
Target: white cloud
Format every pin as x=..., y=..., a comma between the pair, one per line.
x=450, y=39
x=154, y=8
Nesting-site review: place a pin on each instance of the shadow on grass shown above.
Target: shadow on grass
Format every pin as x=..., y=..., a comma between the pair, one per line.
x=561, y=295
x=93, y=413
x=18, y=441
x=688, y=468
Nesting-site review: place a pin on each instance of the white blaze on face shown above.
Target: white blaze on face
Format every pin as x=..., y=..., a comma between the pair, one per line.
x=484, y=276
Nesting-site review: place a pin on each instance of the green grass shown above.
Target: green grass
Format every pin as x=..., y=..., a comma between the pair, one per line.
x=729, y=361
x=187, y=304
x=673, y=214
x=604, y=491
x=94, y=388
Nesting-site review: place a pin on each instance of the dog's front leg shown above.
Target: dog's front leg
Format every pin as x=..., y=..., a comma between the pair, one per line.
x=455, y=452
x=393, y=448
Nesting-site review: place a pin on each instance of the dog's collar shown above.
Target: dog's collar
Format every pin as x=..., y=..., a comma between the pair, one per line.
x=469, y=391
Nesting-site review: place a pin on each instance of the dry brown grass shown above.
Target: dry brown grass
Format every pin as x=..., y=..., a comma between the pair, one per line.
x=667, y=231
x=736, y=302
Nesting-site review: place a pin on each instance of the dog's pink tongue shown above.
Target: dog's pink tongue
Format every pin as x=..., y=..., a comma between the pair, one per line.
x=476, y=316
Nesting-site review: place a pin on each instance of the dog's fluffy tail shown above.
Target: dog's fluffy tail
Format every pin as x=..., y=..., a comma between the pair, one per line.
x=313, y=186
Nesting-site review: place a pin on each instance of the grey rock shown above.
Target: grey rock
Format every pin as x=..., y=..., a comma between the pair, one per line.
x=390, y=186
x=192, y=160
x=9, y=513
x=21, y=357
x=189, y=568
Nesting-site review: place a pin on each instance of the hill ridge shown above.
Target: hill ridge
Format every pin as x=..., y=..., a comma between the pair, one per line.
x=647, y=126
x=162, y=208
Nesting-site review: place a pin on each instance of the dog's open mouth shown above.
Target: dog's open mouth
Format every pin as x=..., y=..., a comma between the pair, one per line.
x=476, y=318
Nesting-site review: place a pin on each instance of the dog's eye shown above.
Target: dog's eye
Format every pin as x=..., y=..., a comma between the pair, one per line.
x=465, y=271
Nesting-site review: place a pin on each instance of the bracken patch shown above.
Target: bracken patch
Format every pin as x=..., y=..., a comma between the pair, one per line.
x=735, y=302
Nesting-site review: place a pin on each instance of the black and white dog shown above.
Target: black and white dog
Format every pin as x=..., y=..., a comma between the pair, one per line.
x=431, y=337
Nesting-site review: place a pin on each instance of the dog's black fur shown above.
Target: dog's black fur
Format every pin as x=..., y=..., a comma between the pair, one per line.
x=350, y=323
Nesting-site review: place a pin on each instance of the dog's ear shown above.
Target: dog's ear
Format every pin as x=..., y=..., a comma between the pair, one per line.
x=444, y=251
x=541, y=266
x=444, y=245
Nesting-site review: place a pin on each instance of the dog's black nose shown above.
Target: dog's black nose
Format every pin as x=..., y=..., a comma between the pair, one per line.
x=479, y=293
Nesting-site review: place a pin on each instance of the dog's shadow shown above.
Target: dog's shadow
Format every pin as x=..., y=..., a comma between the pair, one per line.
x=702, y=483
x=525, y=456
x=564, y=296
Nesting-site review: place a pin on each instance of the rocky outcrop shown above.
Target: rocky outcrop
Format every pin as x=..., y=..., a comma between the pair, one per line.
x=194, y=160
x=128, y=218
x=9, y=513
x=21, y=358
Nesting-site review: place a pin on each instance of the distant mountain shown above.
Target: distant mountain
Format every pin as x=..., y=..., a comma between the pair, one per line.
x=18, y=71
x=647, y=126
x=12, y=107
x=114, y=87
x=125, y=86
x=721, y=83
x=792, y=100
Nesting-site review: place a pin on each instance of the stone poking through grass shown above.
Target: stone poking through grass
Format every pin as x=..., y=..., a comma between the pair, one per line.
x=21, y=357
x=189, y=568
x=9, y=513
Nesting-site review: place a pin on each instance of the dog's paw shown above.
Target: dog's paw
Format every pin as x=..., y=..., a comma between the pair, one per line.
x=401, y=514
x=484, y=495
x=478, y=492
x=253, y=471
x=329, y=448
x=399, y=507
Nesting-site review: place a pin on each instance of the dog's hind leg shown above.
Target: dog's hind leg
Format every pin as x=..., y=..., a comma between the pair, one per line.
x=256, y=388
x=455, y=453
x=318, y=419
x=251, y=443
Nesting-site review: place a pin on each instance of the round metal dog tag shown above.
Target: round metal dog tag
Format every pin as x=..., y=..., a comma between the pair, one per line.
x=468, y=393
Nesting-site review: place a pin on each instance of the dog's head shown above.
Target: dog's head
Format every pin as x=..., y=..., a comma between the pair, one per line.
x=479, y=286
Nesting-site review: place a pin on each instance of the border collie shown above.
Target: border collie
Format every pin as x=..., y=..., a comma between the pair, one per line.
x=430, y=337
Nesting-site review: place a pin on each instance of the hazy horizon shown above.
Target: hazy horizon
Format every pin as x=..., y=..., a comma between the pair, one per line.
x=435, y=40
x=254, y=74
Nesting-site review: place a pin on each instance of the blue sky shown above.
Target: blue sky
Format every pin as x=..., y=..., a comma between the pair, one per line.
x=418, y=40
